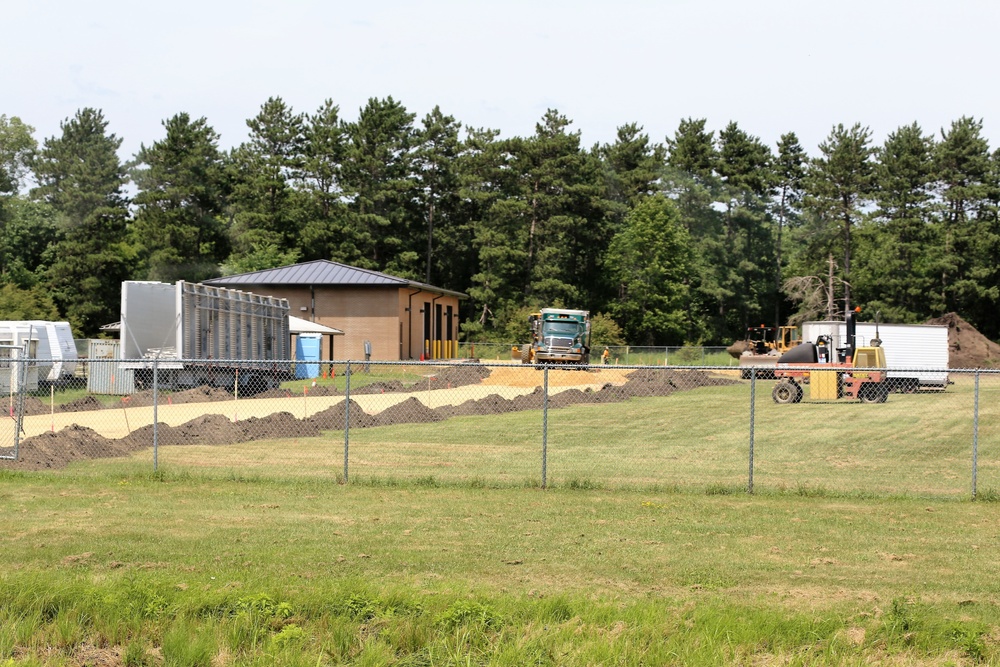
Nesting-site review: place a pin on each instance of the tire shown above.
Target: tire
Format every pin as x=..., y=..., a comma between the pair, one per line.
x=525, y=354
x=869, y=393
x=786, y=392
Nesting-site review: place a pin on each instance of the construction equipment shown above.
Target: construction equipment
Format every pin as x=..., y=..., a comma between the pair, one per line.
x=832, y=373
x=761, y=349
x=558, y=336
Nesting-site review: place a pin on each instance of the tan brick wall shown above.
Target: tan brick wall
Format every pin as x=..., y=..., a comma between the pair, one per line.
x=413, y=322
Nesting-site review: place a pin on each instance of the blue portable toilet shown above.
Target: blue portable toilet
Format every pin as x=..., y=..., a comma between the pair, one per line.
x=307, y=349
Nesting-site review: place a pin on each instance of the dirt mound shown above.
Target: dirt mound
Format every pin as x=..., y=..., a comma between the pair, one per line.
x=55, y=450
x=461, y=375
x=967, y=348
x=332, y=419
x=410, y=411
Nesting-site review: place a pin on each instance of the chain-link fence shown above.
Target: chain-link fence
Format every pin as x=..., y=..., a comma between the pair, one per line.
x=922, y=433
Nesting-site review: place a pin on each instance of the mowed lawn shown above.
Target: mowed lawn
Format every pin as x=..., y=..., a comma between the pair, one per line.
x=914, y=445
x=248, y=572
x=859, y=545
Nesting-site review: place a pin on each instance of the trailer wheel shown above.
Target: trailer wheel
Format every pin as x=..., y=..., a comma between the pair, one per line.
x=786, y=392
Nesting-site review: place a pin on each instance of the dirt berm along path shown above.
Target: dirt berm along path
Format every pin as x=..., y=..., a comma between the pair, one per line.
x=381, y=404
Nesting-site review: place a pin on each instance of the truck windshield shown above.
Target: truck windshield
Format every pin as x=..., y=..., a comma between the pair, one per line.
x=571, y=328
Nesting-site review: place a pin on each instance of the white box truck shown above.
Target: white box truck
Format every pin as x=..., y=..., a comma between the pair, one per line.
x=915, y=354
x=204, y=335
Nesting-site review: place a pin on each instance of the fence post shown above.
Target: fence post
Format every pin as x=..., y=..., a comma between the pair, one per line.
x=753, y=404
x=19, y=374
x=975, y=434
x=545, y=424
x=156, y=407
x=347, y=416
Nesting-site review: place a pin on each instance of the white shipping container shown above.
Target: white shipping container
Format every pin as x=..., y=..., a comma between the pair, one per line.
x=916, y=354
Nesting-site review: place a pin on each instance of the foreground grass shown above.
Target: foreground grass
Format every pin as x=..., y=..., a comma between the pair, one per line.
x=178, y=569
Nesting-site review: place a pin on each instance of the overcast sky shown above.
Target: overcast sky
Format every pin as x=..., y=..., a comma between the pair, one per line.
x=773, y=66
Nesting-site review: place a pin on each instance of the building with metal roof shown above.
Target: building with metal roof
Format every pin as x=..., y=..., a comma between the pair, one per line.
x=398, y=318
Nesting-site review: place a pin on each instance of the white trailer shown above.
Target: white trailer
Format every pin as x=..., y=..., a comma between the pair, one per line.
x=204, y=335
x=51, y=348
x=916, y=354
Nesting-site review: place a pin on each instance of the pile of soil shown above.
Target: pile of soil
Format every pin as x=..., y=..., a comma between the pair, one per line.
x=55, y=450
x=967, y=348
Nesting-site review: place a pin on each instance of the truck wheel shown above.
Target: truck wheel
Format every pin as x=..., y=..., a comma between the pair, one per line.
x=786, y=392
x=525, y=354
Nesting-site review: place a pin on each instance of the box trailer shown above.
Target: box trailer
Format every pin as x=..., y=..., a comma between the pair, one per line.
x=204, y=335
x=915, y=354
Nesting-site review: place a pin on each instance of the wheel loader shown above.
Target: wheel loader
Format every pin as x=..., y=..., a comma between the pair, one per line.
x=832, y=374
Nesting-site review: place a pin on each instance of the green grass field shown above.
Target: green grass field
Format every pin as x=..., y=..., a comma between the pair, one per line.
x=186, y=570
x=859, y=546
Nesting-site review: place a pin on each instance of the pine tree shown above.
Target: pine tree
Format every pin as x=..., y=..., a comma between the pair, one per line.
x=789, y=173
x=179, y=223
x=437, y=180
x=326, y=233
x=838, y=185
x=266, y=210
x=80, y=176
x=650, y=260
x=967, y=234
x=378, y=171
x=896, y=245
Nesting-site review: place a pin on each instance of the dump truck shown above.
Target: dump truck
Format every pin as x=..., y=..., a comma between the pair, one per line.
x=833, y=372
x=204, y=335
x=558, y=336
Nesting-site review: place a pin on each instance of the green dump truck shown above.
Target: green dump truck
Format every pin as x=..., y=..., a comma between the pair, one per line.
x=558, y=336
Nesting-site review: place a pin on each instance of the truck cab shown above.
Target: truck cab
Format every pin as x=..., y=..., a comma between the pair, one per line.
x=558, y=336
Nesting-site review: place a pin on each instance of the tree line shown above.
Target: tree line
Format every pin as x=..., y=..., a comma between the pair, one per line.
x=691, y=240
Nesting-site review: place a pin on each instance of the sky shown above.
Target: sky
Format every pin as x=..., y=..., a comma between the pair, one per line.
x=773, y=66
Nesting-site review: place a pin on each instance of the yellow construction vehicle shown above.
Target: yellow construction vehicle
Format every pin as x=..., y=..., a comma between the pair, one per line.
x=761, y=349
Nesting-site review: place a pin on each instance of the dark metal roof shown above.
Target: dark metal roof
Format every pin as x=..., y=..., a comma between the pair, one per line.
x=326, y=273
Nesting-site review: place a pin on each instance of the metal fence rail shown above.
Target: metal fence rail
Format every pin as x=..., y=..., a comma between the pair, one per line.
x=700, y=427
